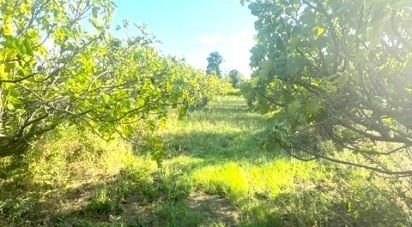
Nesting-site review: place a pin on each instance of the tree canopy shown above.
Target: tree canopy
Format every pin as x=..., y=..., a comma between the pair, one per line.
x=235, y=78
x=336, y=75
x=213, y=64
x=59, y=65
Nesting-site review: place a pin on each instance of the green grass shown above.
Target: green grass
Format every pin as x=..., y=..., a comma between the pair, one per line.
x=216, y=172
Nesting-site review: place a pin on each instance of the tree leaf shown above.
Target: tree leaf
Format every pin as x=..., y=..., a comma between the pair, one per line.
x=319, y=31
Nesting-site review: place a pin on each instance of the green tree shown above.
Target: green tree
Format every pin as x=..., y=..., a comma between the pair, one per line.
x=213, y=64
x=337, y=77
x=54, y=71
x=235, y=78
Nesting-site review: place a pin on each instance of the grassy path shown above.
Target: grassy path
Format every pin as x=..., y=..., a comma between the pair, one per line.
x=216, y=157
x=208, y=149
x=224, y=130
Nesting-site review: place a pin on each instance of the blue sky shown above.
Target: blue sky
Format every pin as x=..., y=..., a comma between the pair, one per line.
x=194, y=28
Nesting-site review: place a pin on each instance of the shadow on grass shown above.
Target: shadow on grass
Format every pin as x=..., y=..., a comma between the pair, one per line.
x=223, y=131
x=130, y=198
x=227, y=115
x=220, y=147
x=342, y=206
x=159, y=201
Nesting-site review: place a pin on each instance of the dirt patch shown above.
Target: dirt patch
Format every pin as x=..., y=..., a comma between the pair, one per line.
x=214, y=208
x=138, y=211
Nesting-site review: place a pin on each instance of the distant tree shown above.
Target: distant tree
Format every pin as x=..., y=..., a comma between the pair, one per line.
x=235, y=78
x=213, y=66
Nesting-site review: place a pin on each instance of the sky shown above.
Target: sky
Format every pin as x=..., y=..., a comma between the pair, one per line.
x=192, y=29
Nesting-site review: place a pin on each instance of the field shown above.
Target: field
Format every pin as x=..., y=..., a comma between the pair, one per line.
x=216, y=172
x=110, y=116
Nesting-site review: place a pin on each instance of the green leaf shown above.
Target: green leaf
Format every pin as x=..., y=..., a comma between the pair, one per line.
x=10, y=106
x=388, y=120
x=296, y=64
x=294, y=106
x=28, y=48
x=319, y=31
x=313, y=106
x=95, y=12
x=341, y=80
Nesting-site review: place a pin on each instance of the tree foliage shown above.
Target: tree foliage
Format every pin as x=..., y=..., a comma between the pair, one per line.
x=213, y=64
x=235, y=78
x=59, y=65
x=336, y=76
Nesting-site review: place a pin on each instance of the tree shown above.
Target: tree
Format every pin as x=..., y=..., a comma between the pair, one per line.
x=337, y=77
x=213, y=66
x=235, y=78
x=60, y=66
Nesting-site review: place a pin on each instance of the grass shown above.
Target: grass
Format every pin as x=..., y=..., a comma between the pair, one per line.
x=217, y=172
